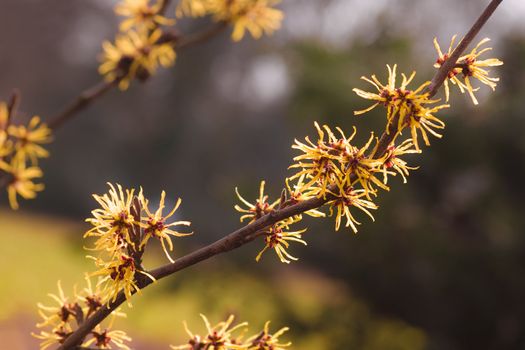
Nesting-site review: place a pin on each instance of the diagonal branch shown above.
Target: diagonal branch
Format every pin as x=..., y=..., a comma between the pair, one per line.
x=449, y=64
x=442, y=74
x=82, y=101
x=164, y=6
x=91, y=94
x=247, y=233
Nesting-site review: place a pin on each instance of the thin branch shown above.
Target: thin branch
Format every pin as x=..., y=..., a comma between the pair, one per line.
x=5, y=179
x=442, y=74
x=249, y=232
x=449, y=64
x=200, y=37
x=88, y=96
x=12, y=105
x=164, y=6
x=82, y=101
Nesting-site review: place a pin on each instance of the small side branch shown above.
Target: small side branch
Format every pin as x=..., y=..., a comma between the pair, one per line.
x=90, y=95
x=83, y=100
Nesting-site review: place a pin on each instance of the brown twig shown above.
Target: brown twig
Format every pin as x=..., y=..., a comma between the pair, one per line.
x=82, y=101
x=201, y=37
x=249, y=232
x=12, y=105
x=88, y=96
x=164, y=6
x=442, y=73
x=5, y=179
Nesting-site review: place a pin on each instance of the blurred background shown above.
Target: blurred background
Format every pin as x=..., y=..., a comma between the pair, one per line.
x=442, y=267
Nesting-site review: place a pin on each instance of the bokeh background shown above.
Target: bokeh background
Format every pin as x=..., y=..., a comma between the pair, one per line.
x=442, y=267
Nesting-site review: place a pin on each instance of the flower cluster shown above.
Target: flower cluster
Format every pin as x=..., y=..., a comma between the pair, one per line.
x=141, y=47
x=348, y=177
x=21, y=146
x=335, y=169
x=257, y=17
x=405, y=107
x=68, y=313
x=122, y=227
x=141, y=14
x=146, y=42
x=468, y=67
x=224, y=336
x=278, y=236
x=258, y=209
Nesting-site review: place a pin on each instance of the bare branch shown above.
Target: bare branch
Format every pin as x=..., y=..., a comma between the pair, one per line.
x=83, y=100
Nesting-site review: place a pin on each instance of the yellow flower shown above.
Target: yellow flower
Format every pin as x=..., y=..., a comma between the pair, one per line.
x=267, y=341
x=320, y=162
x=410, y=107
x=155, y=225
x=113, y=221
x=6, y=145
x=106, y=339
x=56, y=336
x=219, y=337
x=363, y=168
x=21, y=182
x=59, y=315
x=192, y=8
x=29, y=140
x=335, y=162
x=92, y=298
x=257, y=210
x=442, y=57
x=258, y=17
x=394, y=99
x=300, y=192
x=469, y=66
x=67, y=315
x=135, y=54
x=424, y=120
x=392, y=160
x=118, y=274
x=6, y=149
x=278, y=240
x=384, y=95
x=346, y=199
x=141, y=14
x=4, y=121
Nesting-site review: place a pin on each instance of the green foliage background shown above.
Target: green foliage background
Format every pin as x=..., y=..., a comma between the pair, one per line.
x=441, y=268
